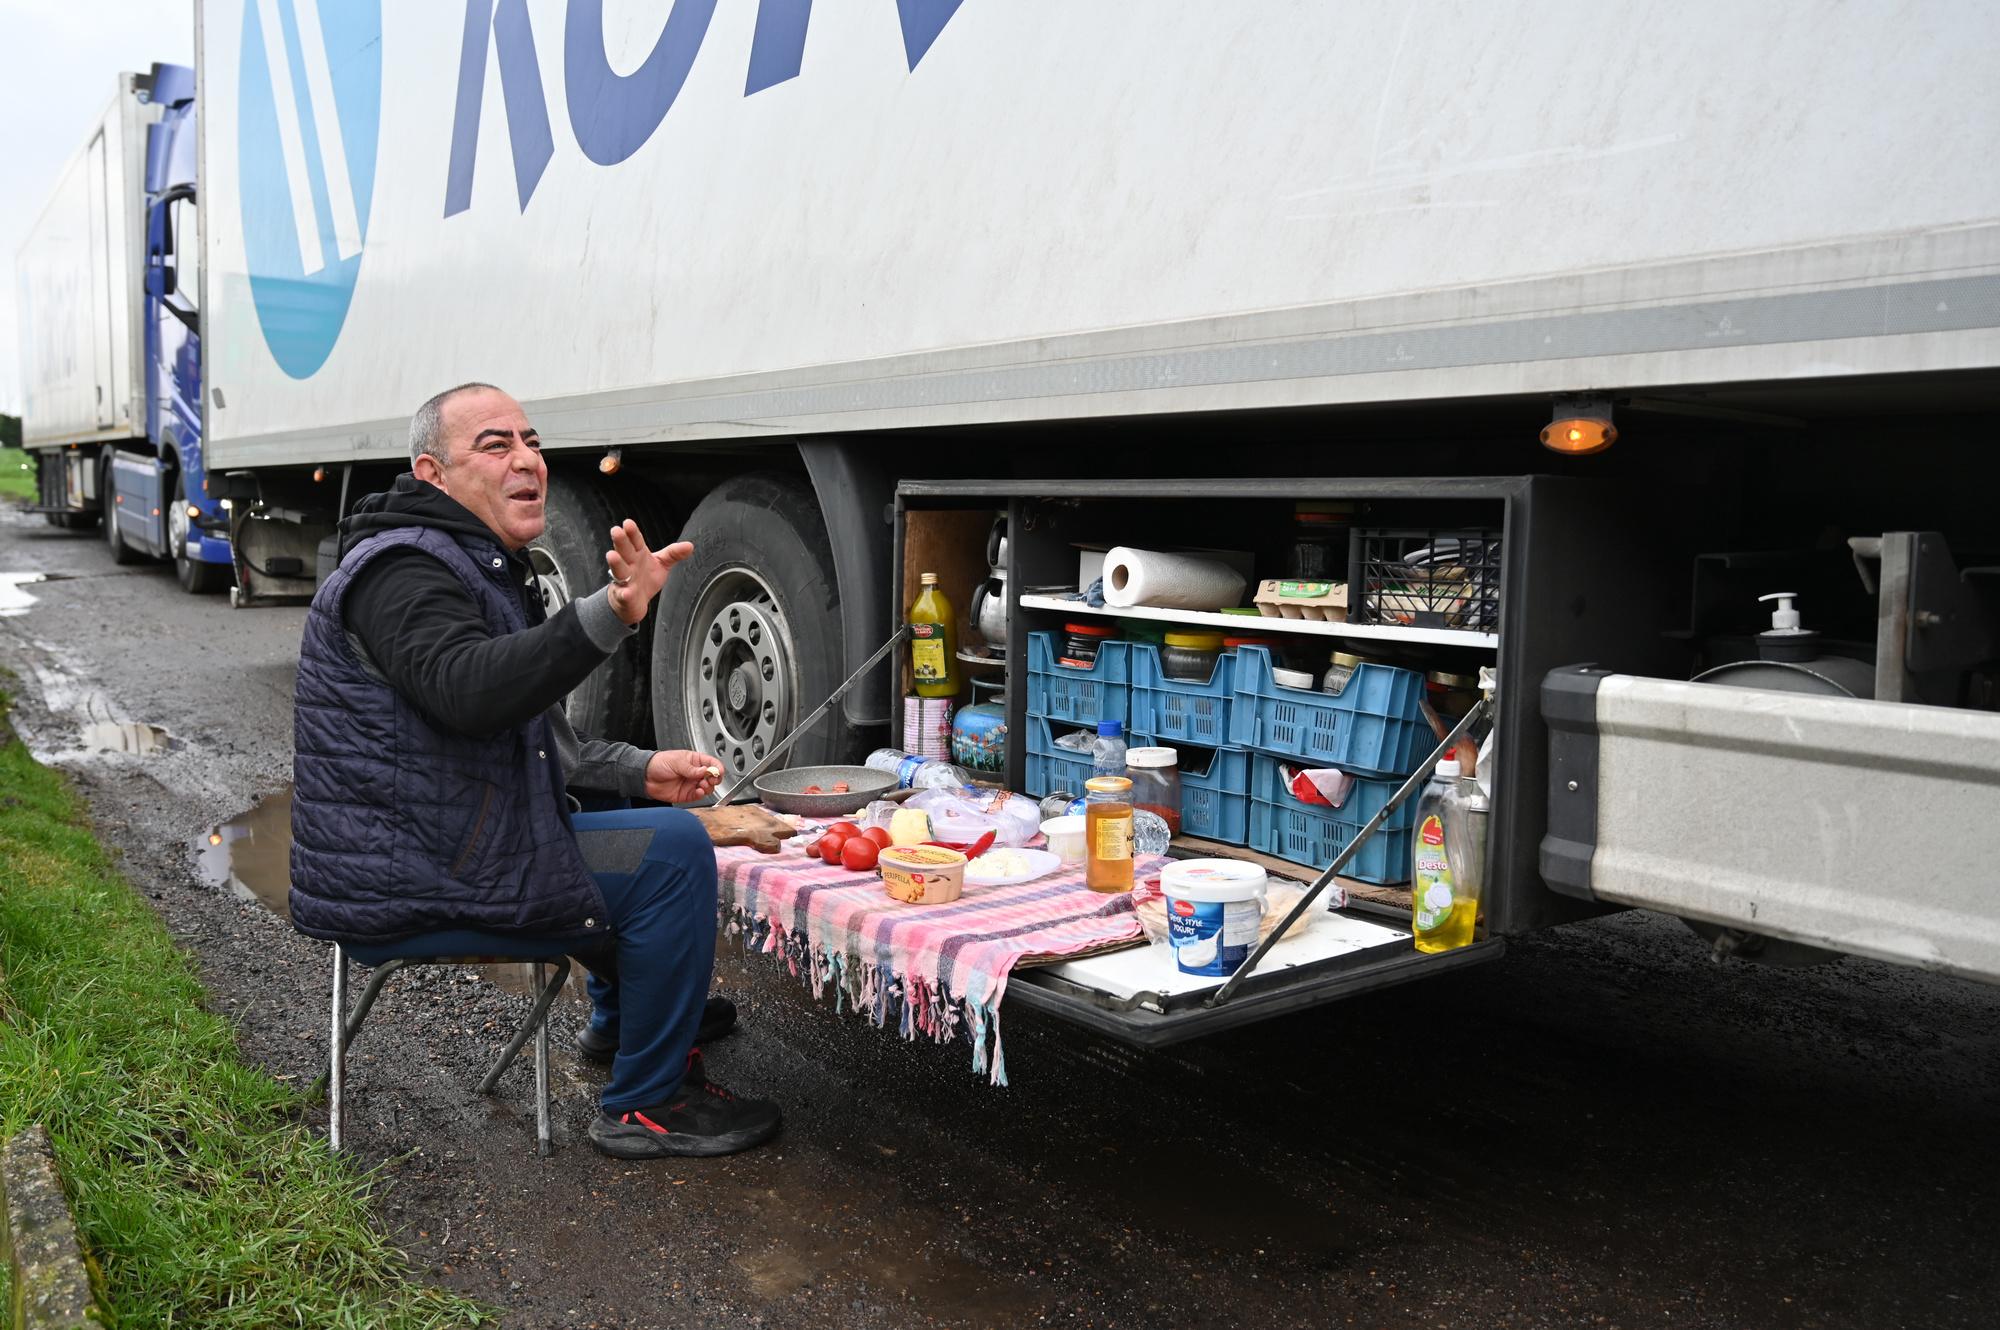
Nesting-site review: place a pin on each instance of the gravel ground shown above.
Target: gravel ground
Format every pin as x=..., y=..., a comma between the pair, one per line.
x=1602, y=1129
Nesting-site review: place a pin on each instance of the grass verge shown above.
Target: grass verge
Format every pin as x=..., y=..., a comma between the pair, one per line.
x=17, y=474
x=201, y=1198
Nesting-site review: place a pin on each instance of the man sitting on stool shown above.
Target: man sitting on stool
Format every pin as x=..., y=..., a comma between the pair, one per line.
x=434, y=760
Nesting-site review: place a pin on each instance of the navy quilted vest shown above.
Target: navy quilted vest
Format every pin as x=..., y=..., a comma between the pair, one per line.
x=399, y=827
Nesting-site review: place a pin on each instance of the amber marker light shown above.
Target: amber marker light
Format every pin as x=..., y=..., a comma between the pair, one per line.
x=1580, y=426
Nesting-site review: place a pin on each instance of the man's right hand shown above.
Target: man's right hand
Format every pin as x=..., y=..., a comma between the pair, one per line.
x=637, y=573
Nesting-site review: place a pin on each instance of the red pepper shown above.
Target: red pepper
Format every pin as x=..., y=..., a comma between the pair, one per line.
x=972, y=851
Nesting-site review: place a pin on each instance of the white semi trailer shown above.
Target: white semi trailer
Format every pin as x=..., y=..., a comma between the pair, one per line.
x=820, y=286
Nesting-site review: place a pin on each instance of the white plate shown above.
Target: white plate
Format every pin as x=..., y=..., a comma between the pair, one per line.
x=1040, y=864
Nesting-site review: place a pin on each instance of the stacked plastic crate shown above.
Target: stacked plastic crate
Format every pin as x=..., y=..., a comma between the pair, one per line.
x=1071, y=699
x=1374, y=729
x=1193, y=718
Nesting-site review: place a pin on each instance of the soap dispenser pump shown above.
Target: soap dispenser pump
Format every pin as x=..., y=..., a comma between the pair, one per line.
x=1785, y=640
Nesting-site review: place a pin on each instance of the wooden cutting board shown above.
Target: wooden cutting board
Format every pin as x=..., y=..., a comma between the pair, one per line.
x=745, y=824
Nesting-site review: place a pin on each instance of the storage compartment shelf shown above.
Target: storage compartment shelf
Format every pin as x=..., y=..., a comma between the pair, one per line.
x=1246, y=625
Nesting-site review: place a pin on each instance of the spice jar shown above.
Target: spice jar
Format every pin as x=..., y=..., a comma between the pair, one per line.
x=1156, y=783
x=1107, y=834
x=1190, y=657
x=1080, y=650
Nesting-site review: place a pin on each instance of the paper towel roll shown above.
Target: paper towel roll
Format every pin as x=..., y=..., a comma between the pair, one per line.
x=1171, y=581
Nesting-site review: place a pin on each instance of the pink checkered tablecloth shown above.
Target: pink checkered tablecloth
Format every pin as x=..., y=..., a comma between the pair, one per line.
x=938, y=970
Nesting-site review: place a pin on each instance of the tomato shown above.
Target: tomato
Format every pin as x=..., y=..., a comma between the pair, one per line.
x=880, y=835
x=858, y=855
x=830, y=846
x=843, y=829
x=812, y=789
x=840, y=787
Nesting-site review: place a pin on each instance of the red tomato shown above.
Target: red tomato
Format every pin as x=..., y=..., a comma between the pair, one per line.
x=858, y=855
x=880, y=835
x=830, y=846
x=843, y=829
x=811, y=789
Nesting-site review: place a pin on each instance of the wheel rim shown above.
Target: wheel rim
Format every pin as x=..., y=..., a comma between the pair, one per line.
x=177, y=525
x=739, y=674
x=550, y=583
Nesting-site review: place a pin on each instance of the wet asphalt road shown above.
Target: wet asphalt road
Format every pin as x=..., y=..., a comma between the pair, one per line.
x=1602, y=1129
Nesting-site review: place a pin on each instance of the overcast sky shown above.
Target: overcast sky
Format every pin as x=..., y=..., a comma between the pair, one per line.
x=63, y=59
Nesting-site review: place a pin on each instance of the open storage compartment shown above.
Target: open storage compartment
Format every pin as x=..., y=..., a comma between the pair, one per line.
x=1444, y=575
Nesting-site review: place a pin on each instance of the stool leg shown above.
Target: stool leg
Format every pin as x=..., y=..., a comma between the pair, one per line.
x=542, y=1146
x=337, y=1055
x=543, y=1001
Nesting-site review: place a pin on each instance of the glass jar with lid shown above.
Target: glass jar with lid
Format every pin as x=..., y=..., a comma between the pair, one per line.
x=1190, y=656
x=1155, y=774
x=1451, y=695
x=1107, y=833
x=1319, y=543
x=1340, y=670
x=1081, y=643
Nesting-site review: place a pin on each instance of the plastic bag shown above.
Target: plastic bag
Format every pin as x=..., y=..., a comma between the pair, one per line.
x=962, y=814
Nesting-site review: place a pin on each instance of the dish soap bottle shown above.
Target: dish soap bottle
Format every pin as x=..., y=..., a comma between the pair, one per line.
x=933, y=642
x=1443, y=903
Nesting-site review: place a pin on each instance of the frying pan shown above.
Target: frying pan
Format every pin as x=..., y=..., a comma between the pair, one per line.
x=785, y=790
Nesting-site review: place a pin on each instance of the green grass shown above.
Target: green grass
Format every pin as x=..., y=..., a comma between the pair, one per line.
x=17, y=474
x=197, y=1191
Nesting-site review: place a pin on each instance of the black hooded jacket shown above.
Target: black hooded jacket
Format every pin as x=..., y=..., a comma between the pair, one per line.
x=418, y=626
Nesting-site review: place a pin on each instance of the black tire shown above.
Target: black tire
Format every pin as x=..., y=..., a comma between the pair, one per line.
x=569, y=563
x=121, y=553
x=196, y=578
x=756, y=605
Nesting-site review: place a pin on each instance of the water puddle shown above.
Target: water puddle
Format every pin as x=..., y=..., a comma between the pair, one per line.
x=13, y=600
x=250, y=856
x=127, y=736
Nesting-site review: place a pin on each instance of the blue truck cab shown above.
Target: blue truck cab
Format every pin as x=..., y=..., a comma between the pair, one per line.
x=159, y=504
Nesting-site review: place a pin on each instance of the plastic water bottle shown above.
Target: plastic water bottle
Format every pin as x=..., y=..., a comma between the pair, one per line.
x=913, y=771
x=1107, y=755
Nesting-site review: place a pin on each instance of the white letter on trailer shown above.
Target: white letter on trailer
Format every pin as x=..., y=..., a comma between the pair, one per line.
x=326, y=122
x=284, y=101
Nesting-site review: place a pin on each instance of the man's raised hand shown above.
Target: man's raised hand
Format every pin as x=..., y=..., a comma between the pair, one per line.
x=637, y=573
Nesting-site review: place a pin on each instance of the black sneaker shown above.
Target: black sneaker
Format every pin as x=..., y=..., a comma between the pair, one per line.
x=703, y=1119
x=718, y=1018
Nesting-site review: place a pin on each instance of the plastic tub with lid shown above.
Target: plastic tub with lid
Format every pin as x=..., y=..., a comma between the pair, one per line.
x=1214, y=910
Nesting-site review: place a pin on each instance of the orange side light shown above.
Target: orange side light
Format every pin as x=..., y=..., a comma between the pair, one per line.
x=1579, y=436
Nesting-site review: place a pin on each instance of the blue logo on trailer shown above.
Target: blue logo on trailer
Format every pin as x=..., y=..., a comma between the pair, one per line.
x=311, y=106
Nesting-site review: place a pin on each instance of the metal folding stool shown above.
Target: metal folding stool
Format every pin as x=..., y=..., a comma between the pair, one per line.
x=458, y=947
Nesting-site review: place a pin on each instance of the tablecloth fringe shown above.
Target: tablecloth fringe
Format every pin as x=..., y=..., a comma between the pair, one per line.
x=916, y=1006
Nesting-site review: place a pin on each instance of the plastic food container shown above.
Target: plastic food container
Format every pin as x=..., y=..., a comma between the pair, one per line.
x=1214, y=910
x=1065, y=835
x=1080, y=648
x=1190, y=657
x=922, y=874
x=1292, y=678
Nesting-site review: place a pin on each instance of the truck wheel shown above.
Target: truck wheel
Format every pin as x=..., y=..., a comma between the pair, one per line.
x=196, y=577
x=568, y=559
x=747, y=638
x=121, y=553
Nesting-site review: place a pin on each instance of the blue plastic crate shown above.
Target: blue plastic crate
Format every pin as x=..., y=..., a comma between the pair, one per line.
x=1179, y=710
x=1366, y=798
x=1215, y=789
x=1079, y=696
x=1311, y=835
x=1051, y=768
x=1375, y=727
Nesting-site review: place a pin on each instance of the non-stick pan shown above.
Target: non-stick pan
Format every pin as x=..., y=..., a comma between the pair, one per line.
x=786, y=790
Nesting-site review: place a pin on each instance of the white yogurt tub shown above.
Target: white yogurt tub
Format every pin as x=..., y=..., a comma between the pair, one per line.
x=1214, y=907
